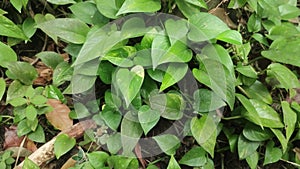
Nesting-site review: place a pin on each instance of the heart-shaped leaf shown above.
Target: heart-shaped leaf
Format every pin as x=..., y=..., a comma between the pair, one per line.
x=289, y=119
x=23, y=71
x=130, y=82
x=173, y=163
x=63, y=143
x=196, y=157
x=139, y=6
x=174, y=73
x=7, y=55
x=246, y=147
x=168, y=143
x=148, y=118
x=273, y=154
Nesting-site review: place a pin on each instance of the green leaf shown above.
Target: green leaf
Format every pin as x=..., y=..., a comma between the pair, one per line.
x=283, y=141
x=173, y=163
x=273, y=154
x=70, y=29
x=63, y=143
x=19, y=101
x=259, y=91
x=231, y=36
x=7, y=55
x=218, y=78
x=170, y=105
x=111, y=117
x=289, y=119
x=176, y=30
x=85, y=11
x=53, y=92
x=23, y=128
x=23, y=71
x=108, y=8
x=130, y=82
x=288, y=11
x=114, y=143
x=29, y=27
x=148, y=118
x=2, y=87
x=105, y=71
x=80, y=111
x=97, y=158
x=246, y=147
x=18, y=4
x=254, y=23
x=28, y=164
x=281, y=73
x=260, y=113
x=8, y=28
x=200, y=3
x=284, y=50
x=206, y=100
x=63, y=72
x=131, y=131
x=130, y=6
x=187, y=9
x=38, y=100
x=61, y=2
x=196, y=157
x=16, y=89
x=31, y=112
x=252, y=160
x=202, y=129
x=121, y=162
x=254, y=133
x=205, y=26
x=168, y=143
x=38, y=135
x=51, y=59
x=134, y=27
x=247, y=71
x=163, y=52
x=77, y=86
x=174, y=73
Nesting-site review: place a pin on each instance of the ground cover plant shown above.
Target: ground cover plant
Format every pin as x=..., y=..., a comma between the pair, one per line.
x=149, y=84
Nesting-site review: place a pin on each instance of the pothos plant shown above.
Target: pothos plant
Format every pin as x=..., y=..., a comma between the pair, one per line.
x=166, y=78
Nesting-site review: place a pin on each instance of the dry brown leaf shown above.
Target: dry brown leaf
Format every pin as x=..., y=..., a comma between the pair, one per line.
x=59, y=117
x=222, y=14
x=68, y=164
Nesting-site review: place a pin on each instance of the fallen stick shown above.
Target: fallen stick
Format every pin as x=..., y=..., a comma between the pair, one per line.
x=46, y=152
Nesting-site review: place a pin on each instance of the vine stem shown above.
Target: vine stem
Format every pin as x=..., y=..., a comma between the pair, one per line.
x=290, y=162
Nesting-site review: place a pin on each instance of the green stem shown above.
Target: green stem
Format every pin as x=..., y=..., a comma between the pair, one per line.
x=290, y=162
x=232, y=118
x=243, y=91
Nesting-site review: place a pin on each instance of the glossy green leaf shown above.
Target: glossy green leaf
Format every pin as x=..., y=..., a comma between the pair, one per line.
x=206, y=100
x=80, y=83
x=284, y=30
x=280, y=73
x=8, y=28
x=70, y=29
x=23, y=128
x=130, y=6
x=121, y=162
x=63, y=143
x=247, y=71
x=131, y=131
x=121, y=56
x=148, y=118
x=163, y=52
x=7, y=55
x=168, y=143
x=63, y=72
x=85, y=11
x=230, y=36
x=205, y=26
x=254, y=23
x=61, y=2
x=174, y=73
x=273, y=154
x=200, y=3
x=259, y=91
x=288, y=11
x=109, y=8
x=173, y=163
x=170, y=105
x=105, y=71
x=38, y=135
x=114, y=143
x=202, y=129
x=284, y=50
x=255, y=133
x=51, y=59
x=53, y=92
x=2, y=87
x=134, y=27
x=29, y=27
x=97, y=158
x=28, y=164
x=23, y=71
x=130, y=82
x=80, y=111
x=187, y=9
x=218, y=78
x=260, y=113
x=289, y=119
x=196, y=157
x=19, y=101
x=246, y=147
x=18, y=4
x=176, y=30
x=283, y=141
x=111, y=117
x=252, y=160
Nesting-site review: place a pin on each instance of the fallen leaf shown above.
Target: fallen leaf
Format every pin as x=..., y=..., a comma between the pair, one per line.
x=68, y=164
x=59, y=117
x=222, y=14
